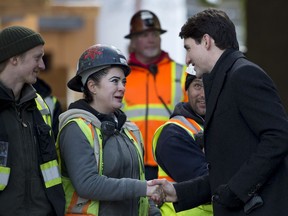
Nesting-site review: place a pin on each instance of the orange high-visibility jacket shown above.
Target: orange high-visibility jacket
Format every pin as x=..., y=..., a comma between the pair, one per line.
x=150, y=99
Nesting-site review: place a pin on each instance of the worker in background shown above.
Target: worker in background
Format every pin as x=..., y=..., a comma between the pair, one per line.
x=53, y=103
x=178, y=145
x=156, y=82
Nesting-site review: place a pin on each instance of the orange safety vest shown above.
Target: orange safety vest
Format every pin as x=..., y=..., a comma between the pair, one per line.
x=142, y=104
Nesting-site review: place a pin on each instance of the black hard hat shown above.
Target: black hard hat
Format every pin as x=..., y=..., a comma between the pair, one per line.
x=94, y=59
x=189, y=80
x=144, y=20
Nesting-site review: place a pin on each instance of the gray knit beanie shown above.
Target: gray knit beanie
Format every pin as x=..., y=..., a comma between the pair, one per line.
x=15, y=40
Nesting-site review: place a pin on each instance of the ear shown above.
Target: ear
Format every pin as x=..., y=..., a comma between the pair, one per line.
x=207, y=41
x=13, y=60
x=91, y=86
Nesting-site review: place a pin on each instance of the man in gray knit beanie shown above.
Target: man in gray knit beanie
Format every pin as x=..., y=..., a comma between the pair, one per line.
x=30, y=183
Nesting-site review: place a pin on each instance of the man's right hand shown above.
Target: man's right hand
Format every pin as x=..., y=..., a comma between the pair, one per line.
x=168, y=190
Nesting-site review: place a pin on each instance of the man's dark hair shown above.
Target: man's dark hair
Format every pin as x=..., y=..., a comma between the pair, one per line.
x=216, y=24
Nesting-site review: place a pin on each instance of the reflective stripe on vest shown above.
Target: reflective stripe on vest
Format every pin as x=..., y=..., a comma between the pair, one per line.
x=50, y=169
x=4, y=177
x=51, y=101
x=158, y=111
x=44, y=109
x=51, y=173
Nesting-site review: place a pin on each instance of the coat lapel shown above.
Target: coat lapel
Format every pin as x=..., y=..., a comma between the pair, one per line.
x=218, y=77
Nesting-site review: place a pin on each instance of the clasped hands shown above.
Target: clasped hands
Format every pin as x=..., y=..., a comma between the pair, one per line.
x=160, y=191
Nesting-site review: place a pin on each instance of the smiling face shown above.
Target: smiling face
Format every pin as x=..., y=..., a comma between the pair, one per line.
x=109, y=92
x=196, y=96
x=196, y=54
x=29, y=65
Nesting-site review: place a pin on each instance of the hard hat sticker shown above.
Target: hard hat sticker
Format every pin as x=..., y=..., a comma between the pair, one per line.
x=146, y=15
x=190, y=70
x=93, y=53
x=123, y=61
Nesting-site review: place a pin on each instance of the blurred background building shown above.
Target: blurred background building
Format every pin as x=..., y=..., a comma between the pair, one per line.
x=71, y=26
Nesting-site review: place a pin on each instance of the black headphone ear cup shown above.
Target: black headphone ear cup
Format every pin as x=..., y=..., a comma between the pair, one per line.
x=108, y=128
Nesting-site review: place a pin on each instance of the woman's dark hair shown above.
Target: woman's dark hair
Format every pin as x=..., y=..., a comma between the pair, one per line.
x=216, y=24
x=96, y=77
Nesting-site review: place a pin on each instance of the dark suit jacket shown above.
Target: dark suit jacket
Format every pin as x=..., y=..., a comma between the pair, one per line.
x=246, y=138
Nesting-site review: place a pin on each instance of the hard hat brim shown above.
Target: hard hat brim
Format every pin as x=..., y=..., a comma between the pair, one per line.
x=162, y=31
x=76, y=84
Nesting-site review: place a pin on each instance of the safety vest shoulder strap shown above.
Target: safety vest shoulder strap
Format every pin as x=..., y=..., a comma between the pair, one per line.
x=50, y=101
x=134, y=134
x=96, y=142
x=189, y=125
x=50, y=169
x=77, y=204
x=44, y=109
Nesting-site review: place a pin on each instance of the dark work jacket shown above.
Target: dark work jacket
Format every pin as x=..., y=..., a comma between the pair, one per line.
x=25, y=193
x=246, y=139
x=177, y=152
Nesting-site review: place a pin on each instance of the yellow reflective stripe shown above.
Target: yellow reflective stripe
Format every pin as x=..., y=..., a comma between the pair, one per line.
x=44, y=109
x=154, y=113
x=50, y=173
x=4, y=177
x=138, y=111
x=178, y=74
x=99, y=151
x=155, y=140
x=138, y=146
x=203, y=210
x=189, y=126
x=175, y=84
x=151, y=106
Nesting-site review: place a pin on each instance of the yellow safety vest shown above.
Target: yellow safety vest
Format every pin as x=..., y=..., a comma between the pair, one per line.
x=78, y=205
x=192, y=128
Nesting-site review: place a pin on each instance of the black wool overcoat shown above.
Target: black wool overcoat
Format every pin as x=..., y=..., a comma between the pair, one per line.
x=246, y=138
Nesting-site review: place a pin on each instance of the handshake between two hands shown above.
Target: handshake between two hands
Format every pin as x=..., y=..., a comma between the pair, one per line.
x=160, y=191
